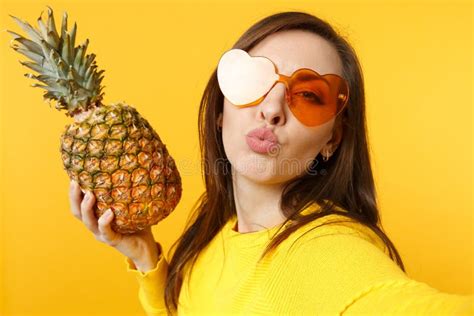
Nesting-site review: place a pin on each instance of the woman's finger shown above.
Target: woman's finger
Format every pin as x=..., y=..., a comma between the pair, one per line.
x=87, y=211
x=109, y=236
x=75, y=198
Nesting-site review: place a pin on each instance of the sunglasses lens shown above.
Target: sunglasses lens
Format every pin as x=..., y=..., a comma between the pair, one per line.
x=313, y=99
x=243, y=79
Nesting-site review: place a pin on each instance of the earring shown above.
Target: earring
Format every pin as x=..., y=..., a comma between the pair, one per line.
x=326, y=158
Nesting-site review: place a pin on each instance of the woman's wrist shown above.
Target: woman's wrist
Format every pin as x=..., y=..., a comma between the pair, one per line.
x=149, y=257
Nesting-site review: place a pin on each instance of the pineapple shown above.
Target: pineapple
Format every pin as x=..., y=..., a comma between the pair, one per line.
x=110, y=150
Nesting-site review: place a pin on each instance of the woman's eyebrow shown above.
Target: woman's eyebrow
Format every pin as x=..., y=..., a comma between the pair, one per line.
x=289, y=74
x=286, y=73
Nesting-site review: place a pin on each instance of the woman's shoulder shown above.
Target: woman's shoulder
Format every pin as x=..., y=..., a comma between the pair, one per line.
x=338, y=250
x=337, y=224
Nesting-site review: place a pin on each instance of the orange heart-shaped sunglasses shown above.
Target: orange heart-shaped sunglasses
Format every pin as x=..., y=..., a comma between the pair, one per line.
x=312, y=98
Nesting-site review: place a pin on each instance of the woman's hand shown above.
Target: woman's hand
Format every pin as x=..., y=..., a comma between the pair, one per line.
x=139, y=247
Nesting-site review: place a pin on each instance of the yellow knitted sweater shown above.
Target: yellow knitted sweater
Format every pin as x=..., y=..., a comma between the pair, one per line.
x=335, y=269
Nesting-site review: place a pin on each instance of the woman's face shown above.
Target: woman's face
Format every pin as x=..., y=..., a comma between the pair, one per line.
x=299, y=144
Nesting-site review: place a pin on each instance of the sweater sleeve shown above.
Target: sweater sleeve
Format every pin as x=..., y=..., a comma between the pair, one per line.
x=408, y=297
x=151, y=285
x=393, y=291
x=365, y=281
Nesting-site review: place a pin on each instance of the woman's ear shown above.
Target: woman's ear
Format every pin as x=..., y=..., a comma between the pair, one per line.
x=337, y=134
x=335, y=140
x=219, y=120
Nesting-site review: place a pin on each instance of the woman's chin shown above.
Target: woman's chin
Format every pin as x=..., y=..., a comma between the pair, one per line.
x=261, y=171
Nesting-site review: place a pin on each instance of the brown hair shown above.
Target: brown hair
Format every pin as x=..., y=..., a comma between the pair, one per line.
x=345, y=180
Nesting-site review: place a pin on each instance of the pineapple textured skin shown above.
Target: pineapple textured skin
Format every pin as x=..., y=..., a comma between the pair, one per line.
x=116, y=154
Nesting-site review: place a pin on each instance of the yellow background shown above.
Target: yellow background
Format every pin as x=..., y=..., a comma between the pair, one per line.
x=417, y=62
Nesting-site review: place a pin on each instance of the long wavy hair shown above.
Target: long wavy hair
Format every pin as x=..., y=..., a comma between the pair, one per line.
x=344, y=181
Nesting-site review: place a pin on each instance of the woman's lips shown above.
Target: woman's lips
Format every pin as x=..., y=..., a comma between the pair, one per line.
x=262, y=140
x=261, y=146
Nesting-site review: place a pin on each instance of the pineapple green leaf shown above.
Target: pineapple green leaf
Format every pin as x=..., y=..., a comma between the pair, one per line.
x=72, y=34
x=88, y=64
x=100, y=72
x=73, y=75
x=48, y=35
x=70, y=76
x=28, y=29
x=89, y=72
x=42, y=29
x=60, y=89
x=78, y=57
x=53, y=40
x=14, y=35
x=26, y=43
x=47, y=50
x=48, y=80
x=39, y=59
x=65, y=53
x=52, y=24
x=50, y=95
x=89, y=83
x=63, y=67
x=37, y=68
x=64, y=26
x=85, y=66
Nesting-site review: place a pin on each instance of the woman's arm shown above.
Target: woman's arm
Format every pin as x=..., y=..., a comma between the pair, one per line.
x=408, y=297
x=151, y=275
x=340, y=272
x=149, y=259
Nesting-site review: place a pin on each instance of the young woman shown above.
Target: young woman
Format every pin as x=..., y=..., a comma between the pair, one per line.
x=289, y=222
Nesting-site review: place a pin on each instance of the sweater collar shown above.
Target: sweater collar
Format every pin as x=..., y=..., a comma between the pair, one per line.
x=257, y=238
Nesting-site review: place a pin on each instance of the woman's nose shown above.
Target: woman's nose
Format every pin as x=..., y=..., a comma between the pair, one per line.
x=272, y=108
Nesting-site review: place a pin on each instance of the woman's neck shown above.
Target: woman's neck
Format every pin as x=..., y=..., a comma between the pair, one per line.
x=257, y=204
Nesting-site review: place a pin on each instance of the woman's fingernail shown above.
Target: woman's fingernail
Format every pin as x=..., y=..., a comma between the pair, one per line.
x=88, y=196
x=108, y=213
